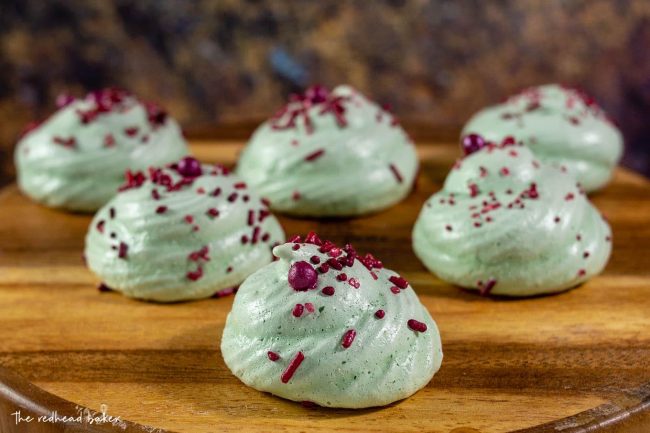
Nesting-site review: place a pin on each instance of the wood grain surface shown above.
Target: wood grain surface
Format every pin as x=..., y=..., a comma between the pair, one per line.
x=574, y=362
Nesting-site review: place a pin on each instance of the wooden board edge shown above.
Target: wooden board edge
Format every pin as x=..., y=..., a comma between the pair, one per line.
x=19, y=395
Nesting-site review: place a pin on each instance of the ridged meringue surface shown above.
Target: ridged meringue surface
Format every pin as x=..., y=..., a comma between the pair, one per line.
x=562, y=126
x=351, y=341
x=76, y=159
x=330, y=154
x=507, y=224
x=168, y=237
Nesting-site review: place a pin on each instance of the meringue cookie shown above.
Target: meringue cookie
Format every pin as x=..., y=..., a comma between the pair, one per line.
x=562, y=126
x=507, y=224
x=180, y=233
x=76, y=159
x=330, y=154
x=326, y=326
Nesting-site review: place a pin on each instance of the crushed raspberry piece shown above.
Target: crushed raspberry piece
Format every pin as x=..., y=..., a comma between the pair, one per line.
x=216, y=192
x=309, y=307
x=200, y=254
x=341, y=277
x=296, y=196
x=212, y=212
x=189, y=219
x=195, y=275
x=328, y=291
x=232, y=197
x=273, y=356
x=312, y=238
x=395, y=289
x=240, y=185
x=161, y=209
x=298, y=310
x=354, y=283
x=314, y=259
x=133, y=180
x=109, y=140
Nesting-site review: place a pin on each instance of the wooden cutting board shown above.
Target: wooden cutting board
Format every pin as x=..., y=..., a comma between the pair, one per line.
x=574, y=362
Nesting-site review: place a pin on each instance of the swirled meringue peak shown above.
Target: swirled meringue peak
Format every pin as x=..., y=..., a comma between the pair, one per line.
x=76, y=158
x=183, y=232
x=563, y=127
x=327, y=326
x=330, y=154
x=506, y=224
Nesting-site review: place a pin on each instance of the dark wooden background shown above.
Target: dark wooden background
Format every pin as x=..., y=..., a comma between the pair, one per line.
x=222, y=66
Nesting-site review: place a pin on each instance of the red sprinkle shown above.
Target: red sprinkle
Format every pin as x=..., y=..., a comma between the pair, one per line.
x=213, y=212
x=328, y=291
x=288, y=373
x=399, y=281
x=379, y=314
x=314, y=156
x=232, y=197
x=189, y=219
x=348, y=338
x=485, y=289
x=131, y=131
x=273, y=356
x=161, y=209
x=416, y=325
x=240, y=185
x=396, y=173
x=394, y=289
x=123, y=250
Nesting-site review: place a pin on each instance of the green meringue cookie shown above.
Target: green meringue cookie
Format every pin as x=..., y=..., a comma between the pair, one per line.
x=562, y=126
x=76, y=159
x=506, y=224
x=354, y=340
x=170, y=237
x=330, y=154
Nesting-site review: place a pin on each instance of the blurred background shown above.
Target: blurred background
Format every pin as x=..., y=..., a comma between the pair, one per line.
x=220, y=67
